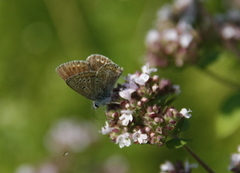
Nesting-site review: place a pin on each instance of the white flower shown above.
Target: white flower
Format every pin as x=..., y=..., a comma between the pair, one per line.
x=153, y=36
x=182, y=3
x=131, y=82
x=123, y=140
x=155, y=87
x=177, y=89
x=147, y=70
x=115, y=164
x=139, y=137
x=185, y=39
x=229, y=32
x=106, y=129
x=235, y=159
x=184, y=26
x=48, y=168
x=167, y=166
x=187, y=166
x=69, y=134
x=126, y=117
x=164, y=13
x=185, y=113
x=142, y=79
x=170, y=34
x=126, y=93
x=25, y=168
x=131, y=87
x=130, y=77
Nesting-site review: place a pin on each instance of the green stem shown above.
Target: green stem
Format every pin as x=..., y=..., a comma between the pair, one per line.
x=200, y=161
x=222, y=80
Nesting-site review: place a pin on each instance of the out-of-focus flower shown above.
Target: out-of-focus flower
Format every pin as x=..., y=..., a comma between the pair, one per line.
x=229, y=31
x=178, y=167
x=48, y=168
x=174, y=40
x=70, y=135
x=235, y=162
x=228, y=25
x=177, y=89
x=116, y=164
x=43, y=168
x=144, y=115
x=167, y=167
x=25, y=168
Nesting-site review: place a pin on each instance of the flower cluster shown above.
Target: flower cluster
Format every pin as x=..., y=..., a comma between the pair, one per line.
x=174, y=39
x=184, y=32
x=140, y=111
x=179, y=166
x=228, y=25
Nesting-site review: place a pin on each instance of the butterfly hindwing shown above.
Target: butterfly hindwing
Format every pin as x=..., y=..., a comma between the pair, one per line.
x=84, y=84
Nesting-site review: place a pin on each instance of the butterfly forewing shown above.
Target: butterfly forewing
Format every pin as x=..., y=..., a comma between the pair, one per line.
x=96, y=61
x=72, y=68
x=84, y=84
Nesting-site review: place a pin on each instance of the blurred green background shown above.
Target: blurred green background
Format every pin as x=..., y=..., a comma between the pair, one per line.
x=37, y=36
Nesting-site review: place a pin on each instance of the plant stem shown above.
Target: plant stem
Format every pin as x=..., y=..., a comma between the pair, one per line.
x=222, y=80
x=204, y=165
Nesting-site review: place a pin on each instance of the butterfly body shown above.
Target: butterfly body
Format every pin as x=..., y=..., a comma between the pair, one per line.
x=93, y=78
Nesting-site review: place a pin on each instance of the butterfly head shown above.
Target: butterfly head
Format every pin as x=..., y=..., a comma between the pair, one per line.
x=100, y=102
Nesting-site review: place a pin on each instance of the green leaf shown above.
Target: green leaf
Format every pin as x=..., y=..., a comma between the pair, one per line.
x=165, y=100
x=229, y=118
x=231, y=104
x=208, y=57
x=181, y=126
x=176, y=143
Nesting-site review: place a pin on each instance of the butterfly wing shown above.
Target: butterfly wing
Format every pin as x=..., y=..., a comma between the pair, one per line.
x=108, y=75
x=72, y=68
x=93, y=78
x=84, y=84
x=96, y=61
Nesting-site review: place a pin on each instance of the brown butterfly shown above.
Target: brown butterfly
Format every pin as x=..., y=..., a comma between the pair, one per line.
x=93, y=78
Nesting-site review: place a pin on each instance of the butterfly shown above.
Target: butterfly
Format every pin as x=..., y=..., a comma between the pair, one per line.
x=94, y=78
